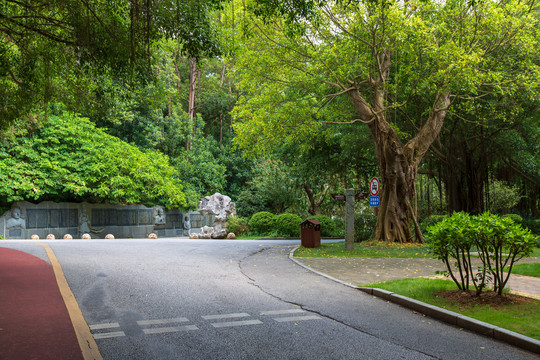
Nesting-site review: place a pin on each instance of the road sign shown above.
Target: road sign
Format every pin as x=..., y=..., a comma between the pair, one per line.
x=361, y=196
x=374, y=201
x=374, y=186
x=339, y=197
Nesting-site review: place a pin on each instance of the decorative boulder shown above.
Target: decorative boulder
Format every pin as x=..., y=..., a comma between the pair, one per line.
x=86, y=236
x=50, y=237
x=231, y=236
x=68, y=237
x=109, y=236
x=152, y=236
x=221, y=207
x=193, y=236
x=34, y=237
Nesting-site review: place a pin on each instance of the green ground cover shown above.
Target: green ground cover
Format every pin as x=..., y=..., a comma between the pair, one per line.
x=365, y=249
x=526, y=269
x=521, y=316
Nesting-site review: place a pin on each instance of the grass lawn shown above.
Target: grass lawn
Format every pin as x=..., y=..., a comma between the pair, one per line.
x=527, y=269
x=520, y=316
x=365, y=249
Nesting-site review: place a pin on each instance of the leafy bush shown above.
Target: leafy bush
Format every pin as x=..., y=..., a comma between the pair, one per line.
x=515, y=218
x=328, y=226
x=238, y=225
x=430, y=221
x=340, y=227
x=364, y=226
x=288, y=225
x=498, y=240
x=262, y=222
x=66, y=158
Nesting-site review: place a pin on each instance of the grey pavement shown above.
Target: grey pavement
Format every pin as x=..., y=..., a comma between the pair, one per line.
x=362, y=271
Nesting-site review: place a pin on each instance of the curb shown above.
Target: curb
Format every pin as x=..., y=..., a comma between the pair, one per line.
x=450, y=317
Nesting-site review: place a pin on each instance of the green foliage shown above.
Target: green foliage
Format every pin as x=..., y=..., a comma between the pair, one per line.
x=340, y=227
x=238, y=225
x=515, y=218
x=502, y=197
x=364, y=227
x=533, y=225
x=498, y=240
x=288, y=225
x=262, y=222
x=430, y=221
x=328, y=226
x=68, y=159
x=272, y=189
x=58, y=50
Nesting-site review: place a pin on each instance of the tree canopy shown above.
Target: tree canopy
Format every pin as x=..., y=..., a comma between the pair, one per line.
x=60, y=49
x=402, y=66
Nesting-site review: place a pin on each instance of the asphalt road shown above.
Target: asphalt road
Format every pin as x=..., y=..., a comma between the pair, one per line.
x=220, y=299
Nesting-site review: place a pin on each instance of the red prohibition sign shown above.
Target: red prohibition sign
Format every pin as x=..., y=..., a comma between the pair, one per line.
x=374, y=186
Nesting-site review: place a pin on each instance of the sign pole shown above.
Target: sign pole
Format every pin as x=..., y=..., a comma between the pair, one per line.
x=349, y=219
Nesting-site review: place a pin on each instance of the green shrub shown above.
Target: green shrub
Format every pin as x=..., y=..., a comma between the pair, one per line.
x=515, y=218
x=430, y=221
x=288, y=225
x=340, y=227
x=328, y=226
x=364, y=226
x=238, y=225
x=262, y=223
x=498, y=240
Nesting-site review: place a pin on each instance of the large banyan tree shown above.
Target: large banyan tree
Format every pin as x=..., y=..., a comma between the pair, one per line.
x=402, y=65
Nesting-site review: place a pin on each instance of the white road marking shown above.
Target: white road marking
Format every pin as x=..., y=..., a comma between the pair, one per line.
x=170, y=329
x=224, y=316
x=109, y=335
x=161, y=321
x=236, y=323
x=283, y=312
x=104, y=326
x=297, y=318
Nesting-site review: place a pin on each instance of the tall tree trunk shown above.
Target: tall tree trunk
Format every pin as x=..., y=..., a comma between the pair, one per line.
x=191, y=101
x=398, y=163
x=314, y=205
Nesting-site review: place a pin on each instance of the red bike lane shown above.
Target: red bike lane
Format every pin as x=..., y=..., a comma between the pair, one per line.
x=34, y=320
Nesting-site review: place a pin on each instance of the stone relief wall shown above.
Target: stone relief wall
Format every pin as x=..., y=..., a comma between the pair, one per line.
x=123, y=221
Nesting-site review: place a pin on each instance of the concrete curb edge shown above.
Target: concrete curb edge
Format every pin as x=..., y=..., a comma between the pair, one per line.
x=450, y=317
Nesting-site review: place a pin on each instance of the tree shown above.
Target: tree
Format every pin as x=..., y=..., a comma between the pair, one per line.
x=67, y=159
x=57, y=50
x=384, y=57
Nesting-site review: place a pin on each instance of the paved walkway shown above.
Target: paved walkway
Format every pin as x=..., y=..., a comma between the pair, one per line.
x=362, y=271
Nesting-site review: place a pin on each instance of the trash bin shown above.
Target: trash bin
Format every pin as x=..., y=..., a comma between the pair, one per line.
x=310, y=233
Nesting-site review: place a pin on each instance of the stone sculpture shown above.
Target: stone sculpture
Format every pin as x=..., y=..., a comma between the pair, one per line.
x=16, y=221
x=159, y=217
x=221, y=207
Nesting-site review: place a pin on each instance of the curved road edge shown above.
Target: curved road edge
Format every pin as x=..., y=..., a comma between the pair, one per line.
x=450, y=317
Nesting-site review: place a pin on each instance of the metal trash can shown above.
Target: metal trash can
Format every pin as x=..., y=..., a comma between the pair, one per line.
x=310, y=233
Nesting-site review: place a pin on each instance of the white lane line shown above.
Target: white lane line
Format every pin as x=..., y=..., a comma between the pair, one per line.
x=297, y=318
x=283, y=312
x=170, y=329
x=161, y=321
x=236, y=323
x=109, y=335
x=104, y=326
x=225, y=316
